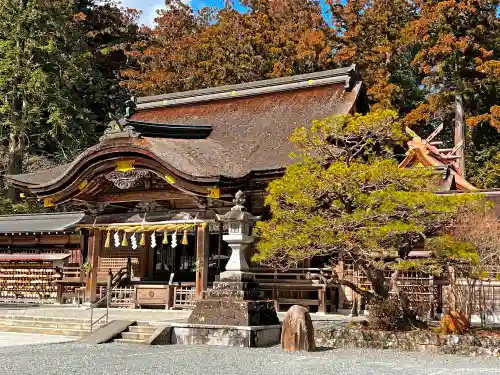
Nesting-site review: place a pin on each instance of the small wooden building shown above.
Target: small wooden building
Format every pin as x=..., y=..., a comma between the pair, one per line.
x=34, y=250
x=159, y=177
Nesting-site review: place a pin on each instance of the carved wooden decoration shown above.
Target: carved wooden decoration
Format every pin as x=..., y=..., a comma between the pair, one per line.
x=127, y=179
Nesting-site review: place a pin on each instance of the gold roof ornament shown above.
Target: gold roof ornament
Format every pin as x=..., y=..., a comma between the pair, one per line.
x=124, y=165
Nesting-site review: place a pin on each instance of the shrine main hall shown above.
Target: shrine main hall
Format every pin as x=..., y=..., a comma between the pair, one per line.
x=144, y=200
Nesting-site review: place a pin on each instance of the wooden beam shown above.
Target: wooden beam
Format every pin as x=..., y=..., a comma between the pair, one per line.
x=94, y=254
x=202, y=250
x=138, y=196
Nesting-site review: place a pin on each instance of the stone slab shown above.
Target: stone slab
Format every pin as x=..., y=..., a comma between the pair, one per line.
x=108, y=332
x=223, y=335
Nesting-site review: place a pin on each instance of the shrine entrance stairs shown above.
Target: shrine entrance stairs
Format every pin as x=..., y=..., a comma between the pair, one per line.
x=45, y=325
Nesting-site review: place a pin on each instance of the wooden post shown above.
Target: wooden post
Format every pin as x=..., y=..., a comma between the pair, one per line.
x=219, y=245
x=322, y=300
x=94, y=254
x=276, y=298
x=109, y=287
x=169, y=302
x=341, y=290
x=202, y=241
x=460, y=131
x=59, y=293
x=129, y=269
x=452, y=297
x=150, y=257
x=144, y=261
x=432, y=309
x=83, y=241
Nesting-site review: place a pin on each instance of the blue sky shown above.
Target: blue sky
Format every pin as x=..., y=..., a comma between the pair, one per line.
x=149, y=7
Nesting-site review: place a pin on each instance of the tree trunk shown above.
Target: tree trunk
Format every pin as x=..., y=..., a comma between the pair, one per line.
x=460, y=132
x=15, y=163
x=17, y=131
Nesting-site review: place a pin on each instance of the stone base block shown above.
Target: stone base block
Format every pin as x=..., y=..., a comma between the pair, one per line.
x=224, y=335
x=230, y=312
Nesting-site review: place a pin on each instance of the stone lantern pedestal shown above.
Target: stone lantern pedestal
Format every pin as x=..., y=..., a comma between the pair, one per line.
x=235, y=299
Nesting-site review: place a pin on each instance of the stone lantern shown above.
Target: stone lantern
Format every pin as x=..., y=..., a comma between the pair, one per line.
x=239, y=226
x=236, y=299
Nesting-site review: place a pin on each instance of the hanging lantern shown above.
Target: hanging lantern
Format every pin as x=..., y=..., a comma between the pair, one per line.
x=153, y=240
x=174, y=240
x=165, y=238
x=142, y=242
x=133, y=240
x=185, y=238
x=124, y=240
x=108, y=240
x=116, y=239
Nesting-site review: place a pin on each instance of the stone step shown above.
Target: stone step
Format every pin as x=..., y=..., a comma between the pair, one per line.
x=44, y=331
x=142, y=329
x=48, y=324
x=130, y=341
x=135, y=336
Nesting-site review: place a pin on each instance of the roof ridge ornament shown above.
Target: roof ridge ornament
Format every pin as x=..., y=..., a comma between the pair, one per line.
x=117, y=130
x=239, y=201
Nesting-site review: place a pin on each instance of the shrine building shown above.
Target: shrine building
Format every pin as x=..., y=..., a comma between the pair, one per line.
x=146, y=196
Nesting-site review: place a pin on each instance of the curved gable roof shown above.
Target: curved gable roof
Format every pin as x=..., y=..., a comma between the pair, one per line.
x=249, y=130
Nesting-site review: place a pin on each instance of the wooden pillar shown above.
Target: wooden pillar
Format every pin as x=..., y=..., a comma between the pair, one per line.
x=452, y=289
x=84, y=255
x=219, y=245
x=94, y=254
x=144, y=251
x=151, y=254
x=322, y=300
x=341, y=289
x=202, y=242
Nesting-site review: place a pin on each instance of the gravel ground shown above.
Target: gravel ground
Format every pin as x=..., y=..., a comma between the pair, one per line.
x=112, y=359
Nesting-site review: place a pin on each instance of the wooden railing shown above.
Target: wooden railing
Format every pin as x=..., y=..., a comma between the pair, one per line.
x=184, y=296
x=123, y=297
x=74, y=272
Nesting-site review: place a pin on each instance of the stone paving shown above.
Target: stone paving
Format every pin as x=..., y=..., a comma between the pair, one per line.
x=112, y=359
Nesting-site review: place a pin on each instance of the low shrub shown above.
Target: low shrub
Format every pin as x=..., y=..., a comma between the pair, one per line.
x=454, y=323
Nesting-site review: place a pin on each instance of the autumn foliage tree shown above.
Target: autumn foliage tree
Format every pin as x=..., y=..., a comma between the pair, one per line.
x=188, y=50
x=368, y=34
x=346, y=197
x=458, y=56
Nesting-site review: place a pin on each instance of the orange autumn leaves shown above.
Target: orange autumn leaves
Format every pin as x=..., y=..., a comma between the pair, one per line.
x=412, y=54
x=215, y=47
x=457, y=42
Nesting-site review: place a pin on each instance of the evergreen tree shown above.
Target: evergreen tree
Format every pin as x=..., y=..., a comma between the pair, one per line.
x=56, y=75
x=346, y=198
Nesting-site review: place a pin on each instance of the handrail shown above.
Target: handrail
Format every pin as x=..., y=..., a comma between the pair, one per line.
x=113, y=281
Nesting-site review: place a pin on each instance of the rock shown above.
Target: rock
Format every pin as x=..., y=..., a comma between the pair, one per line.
x=297, y=332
